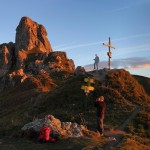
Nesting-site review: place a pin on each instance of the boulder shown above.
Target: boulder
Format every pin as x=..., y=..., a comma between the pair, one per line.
x=80, y=70
x=66, y=129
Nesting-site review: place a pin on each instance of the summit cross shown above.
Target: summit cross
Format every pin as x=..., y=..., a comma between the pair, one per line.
x=109, y=52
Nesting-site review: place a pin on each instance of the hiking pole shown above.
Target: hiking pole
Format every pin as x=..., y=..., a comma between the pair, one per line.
x=113, y=139
x=83, y=122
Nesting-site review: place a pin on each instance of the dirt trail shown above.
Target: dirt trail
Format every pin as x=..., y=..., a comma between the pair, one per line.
x=99, y=74
x=134, y=113
x=115, y=139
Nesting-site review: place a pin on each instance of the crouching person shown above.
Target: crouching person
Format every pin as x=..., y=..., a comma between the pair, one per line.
x=45, y=135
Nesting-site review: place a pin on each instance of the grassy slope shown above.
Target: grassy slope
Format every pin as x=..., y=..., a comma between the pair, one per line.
x=65, y=102
x=129, y=87
x=145, y=82
x=74, y=103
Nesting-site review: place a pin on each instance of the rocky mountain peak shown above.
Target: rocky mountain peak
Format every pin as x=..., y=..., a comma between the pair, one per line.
x=30, y=34
x=31, y=55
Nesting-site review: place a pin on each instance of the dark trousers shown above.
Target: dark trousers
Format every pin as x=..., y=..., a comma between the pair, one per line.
x=100, y=125
x=96, y=66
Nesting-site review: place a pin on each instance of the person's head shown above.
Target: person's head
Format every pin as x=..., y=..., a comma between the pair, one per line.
x=96, y=55
x=101, y=98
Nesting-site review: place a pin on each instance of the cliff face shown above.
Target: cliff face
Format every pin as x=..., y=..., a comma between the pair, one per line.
x=59, y=61
x=30, y=34
x=7, y=56
x=30, y=55
x=32, y=45
x=31, y=37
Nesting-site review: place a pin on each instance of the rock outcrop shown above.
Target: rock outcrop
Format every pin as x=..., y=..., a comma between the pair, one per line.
x=30, y=35
x=58, y=61
x=80, y=70
x=7, y=56
x=66, y=129
x=32, y=55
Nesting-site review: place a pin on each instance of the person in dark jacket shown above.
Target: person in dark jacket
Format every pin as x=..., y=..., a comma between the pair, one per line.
x=96, y=62
x=101, y=107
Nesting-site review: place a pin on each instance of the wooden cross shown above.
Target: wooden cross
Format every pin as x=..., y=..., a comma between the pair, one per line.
x=109, y=52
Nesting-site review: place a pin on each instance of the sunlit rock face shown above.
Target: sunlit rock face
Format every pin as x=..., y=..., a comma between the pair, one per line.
x=30, y=35
x=58, y=61
x=31, y=55
x=7, y=56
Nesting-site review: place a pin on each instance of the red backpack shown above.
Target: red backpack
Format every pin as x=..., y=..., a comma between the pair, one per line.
x=45, y=134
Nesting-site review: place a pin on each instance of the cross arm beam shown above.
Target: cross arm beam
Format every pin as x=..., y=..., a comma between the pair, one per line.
x=109, y=45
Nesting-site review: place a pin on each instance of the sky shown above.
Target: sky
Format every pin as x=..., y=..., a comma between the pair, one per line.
x=79, y=27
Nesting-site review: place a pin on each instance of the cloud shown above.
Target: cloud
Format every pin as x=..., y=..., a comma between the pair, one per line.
x=59, y=46
x=133, y=63
x=69, y=47
x=62, y=45
x=129, y=7
x=118, y=9
x=137, y=48
x=79, y=45
x=141, y=67
x=130, y=37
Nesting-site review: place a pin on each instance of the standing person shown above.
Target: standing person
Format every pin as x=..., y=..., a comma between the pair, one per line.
x=96, y=62
x=101, y=107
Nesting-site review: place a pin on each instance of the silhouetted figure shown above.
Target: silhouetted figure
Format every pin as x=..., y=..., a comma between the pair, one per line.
x=101, y=107
x=96, y=62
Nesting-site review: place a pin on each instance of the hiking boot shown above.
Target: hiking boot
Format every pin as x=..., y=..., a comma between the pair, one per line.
x=98, y=134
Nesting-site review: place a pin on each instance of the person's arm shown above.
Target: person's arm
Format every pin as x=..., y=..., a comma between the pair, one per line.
x=104, y=107
x=96, y=103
